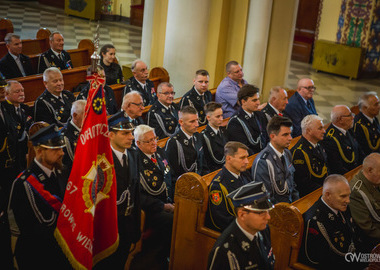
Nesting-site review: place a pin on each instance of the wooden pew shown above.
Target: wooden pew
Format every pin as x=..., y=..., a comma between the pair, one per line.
x=6, y=26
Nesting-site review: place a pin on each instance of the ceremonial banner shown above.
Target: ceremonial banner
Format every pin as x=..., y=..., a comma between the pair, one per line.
x=87, y=223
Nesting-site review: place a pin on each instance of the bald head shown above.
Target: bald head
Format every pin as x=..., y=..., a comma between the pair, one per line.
x=342, y=117
x=336, y=192
x=371, y=168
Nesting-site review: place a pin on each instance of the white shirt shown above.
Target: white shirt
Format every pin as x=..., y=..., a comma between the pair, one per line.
x=187, y=135
x=332, y=209
x=216, y=131
x=249, y=114
x=164, y=105
x=57, y=53
x=278, y=153
x=142, y=85
x=198, y=92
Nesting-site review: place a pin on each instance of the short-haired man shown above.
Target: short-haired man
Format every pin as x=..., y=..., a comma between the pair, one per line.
x=366, y=124
x=15, y=64
x=227, y=90
x=199, y=95
x=248, y=124
x=233, y=175
x=133, y=107
x=309, y=157
x=163, y=114
x=213, y=137
x=140, y=82
x=365, y=197
x=245, y=244
x=273, y=165
x=329, y=232
x=343, y=152
x=278, y=98
x=54, y=105
x=72, y=130
x=301, y=104
x=56, y=56
x=184, y=149
x=33, y=204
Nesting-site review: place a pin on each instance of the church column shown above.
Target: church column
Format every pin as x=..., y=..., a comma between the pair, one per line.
x=146, y=39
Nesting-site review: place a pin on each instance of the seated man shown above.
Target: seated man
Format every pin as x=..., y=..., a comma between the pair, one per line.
x=213, y=137
x=232, y=176
x=199, y=95
x=248, y=125
x=184, y=149
x=365, y=197
x=329, y=231
x=56, y=56
x=301, y=104
x=163, y=114
x=309, y=157
x=140, y=82
x=343, y=152
x=278, y=98
x=273, y=165
x=366, y=124
x=227, y=90
x=245, y=244
x=15, y=64
x=133, y=107
x=54, y=104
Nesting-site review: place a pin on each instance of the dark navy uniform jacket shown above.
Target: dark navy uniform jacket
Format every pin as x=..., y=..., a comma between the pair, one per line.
x=148, y=95
x=221, y=212
x=296, y=110
x=234, y=250
x=343, y=152
x=310, y=164
x=248, y=130
x=9, y=68
x=213, y=147
x=269, y=112
x=51, y=110
x=163, y=121
x=367, y=134
x=49, y=59
x=197, y=101
x=71, y=134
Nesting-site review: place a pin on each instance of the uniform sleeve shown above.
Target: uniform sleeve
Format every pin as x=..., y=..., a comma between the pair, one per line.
x=314, y=245
x=334, y=160
x=260, y=173
x=172, y=154
x=152, y=122
x=218, y=260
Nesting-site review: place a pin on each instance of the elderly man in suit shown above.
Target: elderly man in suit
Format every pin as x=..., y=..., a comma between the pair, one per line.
x=278, y=99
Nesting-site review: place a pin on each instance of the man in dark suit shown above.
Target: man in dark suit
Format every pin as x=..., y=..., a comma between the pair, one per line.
x=213, y=137
x=199, y=95
x=278, y=98
x=56, y=56
x=15, y=64
x=54, y=105
x=248, y=125
x=343, y=152
x=366, y=124
x=301, y=104
x=140, y=82
x=163, y=114
x=133, y=107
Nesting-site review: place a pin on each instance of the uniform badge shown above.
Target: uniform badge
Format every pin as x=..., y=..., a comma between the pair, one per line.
x=170, y=128
x=298, y=161
x=154, y=184
x=226, y=245
x=59, y=118
x=155, y=178
x=198, y=98
x=186, y=142
x=331, y=216
x=145, y=161
x=245, y=245
x=147, y=172
x=163, y=110
x=216, y=197
x=201, y=112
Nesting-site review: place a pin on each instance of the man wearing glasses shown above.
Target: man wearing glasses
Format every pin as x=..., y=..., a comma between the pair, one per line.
x=133, y=107
x=343, y=152
x=301, y=104
x=163, y=114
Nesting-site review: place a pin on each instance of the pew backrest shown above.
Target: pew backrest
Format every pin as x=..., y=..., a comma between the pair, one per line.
x=6, y=26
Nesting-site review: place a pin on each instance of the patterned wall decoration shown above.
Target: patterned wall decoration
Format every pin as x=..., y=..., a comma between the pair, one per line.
x=372, y=56
x=107, y=7
x=342, y=14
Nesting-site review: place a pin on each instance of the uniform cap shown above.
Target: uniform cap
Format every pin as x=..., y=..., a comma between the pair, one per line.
x=48, y=137
x=118, y=121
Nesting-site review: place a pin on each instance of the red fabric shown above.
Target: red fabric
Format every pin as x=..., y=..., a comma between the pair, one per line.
x=87, y=225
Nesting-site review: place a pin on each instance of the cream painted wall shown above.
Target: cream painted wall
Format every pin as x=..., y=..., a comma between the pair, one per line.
x=125, y=8
x=158, y=33
x=328, y=26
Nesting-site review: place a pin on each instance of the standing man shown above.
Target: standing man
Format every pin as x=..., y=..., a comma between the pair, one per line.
x=301, y=104
x=309, y=157
x=140, y=82
x=245, y=244
x=227, y=91
x=343, y=152
x=54, y=105
x=35, y=202
x=278, y=98
x=199, y=95
x=15, y=64
x=133, y=107
x=232, y=176
x=163, y=114
x=56, y=56
x=213, y=137
x=273, y=165
x=366, y=124
x=248, y=125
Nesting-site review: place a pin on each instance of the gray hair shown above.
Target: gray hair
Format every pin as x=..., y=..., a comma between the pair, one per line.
x=8, y=87
x=134, y=63
x=308, y=120
x=9, y=36
x=274, y=91
x=51, y=37
x=331, y=181
x=128, y=96
x=78, y=106
x=48, y=71
x=140, y=131
x=167, y=84
x=363, y=99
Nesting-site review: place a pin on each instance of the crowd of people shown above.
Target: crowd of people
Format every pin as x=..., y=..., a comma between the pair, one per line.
x=239, y=199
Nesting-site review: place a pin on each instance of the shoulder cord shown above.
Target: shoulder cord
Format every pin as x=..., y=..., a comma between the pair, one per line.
x=228, y=200
x=367, y=202
x=51, y=109
x=123, y=196
x=149, y=190
x=307, y=254
x=330, y=134
x=182, y=161
x=366, y=133
x=217, y=161
x=232, y=261
x=162, y=126
x=273, y=180
x=307, y=159
x=248, y=133
x=68, y=148
x=199, y=120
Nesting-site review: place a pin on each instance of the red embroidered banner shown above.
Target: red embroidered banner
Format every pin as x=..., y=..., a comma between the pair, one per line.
x=87, y=224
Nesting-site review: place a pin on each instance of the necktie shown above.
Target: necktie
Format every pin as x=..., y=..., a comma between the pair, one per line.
x=308, y=104
x=125, y=161
x=283, y=161
x=20, y=67
x=61, y=100
x=18, y=111
x=152, y=158
x=60, y=57
x=342, y=217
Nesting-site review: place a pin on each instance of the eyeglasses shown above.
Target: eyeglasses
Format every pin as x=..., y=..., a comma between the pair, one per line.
x=141, y=105
x=310, y=88
x=260, y=213
x=155, y=139
x=168, y=93
x=349, y=115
